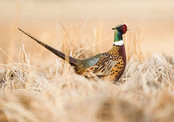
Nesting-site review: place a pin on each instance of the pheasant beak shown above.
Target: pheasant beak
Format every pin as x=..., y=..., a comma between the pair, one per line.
x=128, y=29
x=113, y=28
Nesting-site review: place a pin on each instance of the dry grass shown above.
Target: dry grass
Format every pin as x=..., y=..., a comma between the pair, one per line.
x=54, y=92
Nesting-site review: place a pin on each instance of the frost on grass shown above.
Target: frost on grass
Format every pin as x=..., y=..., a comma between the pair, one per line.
x=144, y=94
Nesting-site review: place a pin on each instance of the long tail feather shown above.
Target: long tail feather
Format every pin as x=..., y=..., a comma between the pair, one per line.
x=70, y=59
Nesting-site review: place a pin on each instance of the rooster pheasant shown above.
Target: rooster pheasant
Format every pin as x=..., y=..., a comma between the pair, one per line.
x=109, y=65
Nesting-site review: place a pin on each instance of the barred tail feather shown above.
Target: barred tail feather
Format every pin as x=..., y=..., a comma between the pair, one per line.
x=70, y=59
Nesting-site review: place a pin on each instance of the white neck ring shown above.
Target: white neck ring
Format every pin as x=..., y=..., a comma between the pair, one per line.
x=118, y=43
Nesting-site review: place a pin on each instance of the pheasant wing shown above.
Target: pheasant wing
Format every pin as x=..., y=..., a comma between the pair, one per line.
x=102, y=67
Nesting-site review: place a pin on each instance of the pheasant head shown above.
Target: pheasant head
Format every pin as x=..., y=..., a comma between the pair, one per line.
x=118, y=34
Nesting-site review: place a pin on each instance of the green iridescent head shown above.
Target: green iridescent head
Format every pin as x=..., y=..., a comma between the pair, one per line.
x=119, y=31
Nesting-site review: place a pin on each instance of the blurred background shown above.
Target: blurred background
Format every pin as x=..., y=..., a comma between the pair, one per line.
x=151, y=22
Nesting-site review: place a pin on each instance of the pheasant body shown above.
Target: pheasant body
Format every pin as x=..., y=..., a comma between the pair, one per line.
x=109, y=65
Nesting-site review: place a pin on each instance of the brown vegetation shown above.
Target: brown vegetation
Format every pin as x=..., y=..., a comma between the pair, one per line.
x=56, y=93
x=37, y=86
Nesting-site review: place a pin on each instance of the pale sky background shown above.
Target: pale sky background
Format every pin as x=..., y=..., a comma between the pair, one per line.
x=154, y=18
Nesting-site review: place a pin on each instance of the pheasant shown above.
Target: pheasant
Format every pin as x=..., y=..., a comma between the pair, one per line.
x=108, y=65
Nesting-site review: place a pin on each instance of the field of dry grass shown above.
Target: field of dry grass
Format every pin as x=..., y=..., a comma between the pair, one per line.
x=37, y=86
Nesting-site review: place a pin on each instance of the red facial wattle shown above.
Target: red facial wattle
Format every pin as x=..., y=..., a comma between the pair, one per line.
x=124, y=28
